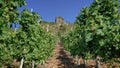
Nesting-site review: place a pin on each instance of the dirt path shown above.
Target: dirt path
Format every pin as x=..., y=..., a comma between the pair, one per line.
x=60, y=59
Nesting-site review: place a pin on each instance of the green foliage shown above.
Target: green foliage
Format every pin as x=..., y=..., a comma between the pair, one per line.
x=28, y=18
x=29, y=41
x=97, y=32
x=9, y=11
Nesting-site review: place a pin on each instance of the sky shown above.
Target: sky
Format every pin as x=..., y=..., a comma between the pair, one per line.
x=49, y=9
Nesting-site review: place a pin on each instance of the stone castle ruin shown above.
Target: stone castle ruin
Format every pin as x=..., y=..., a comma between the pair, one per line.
x=59, y=19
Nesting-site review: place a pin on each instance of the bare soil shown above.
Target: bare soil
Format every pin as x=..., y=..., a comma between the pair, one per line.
x=60, y=59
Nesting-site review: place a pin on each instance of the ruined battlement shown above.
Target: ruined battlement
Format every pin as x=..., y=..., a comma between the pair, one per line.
x=59, y=19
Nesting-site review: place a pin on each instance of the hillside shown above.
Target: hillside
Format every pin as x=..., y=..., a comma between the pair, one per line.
x=57, y=28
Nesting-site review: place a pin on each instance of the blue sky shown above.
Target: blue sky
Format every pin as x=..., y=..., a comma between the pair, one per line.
x=49, y=9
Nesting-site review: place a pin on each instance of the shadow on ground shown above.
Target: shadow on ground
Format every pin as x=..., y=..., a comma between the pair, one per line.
x=65, y=59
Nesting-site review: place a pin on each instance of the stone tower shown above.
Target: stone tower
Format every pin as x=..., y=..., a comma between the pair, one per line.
x=59, y=19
